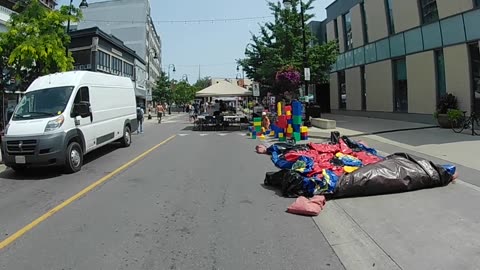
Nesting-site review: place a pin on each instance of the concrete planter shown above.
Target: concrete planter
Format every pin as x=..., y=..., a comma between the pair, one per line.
x=443, y=121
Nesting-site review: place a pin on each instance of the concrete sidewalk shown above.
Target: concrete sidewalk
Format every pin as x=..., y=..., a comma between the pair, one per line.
x=437, y=142
x=427, y=229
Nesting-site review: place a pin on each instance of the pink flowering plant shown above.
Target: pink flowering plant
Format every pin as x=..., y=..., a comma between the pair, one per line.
x=288, y=78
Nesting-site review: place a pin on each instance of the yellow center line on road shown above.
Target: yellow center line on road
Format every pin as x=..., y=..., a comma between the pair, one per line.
x=36, y=222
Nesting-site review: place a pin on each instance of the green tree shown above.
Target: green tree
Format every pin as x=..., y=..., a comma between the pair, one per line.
x=203, y=83
x=34, y=44
x=280, y=44
x=162, y=92
x=184, y=93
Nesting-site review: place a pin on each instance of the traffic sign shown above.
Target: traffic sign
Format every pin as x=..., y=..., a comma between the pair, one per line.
x=256, y=89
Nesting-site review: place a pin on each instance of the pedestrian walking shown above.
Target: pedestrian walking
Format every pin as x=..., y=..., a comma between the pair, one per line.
x=140, y=118
x=160, y=112
x=191, y=110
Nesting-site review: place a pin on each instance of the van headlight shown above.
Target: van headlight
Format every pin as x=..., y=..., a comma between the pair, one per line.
x=54, y=124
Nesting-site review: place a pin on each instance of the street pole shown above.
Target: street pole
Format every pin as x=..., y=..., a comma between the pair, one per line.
x=68, y=23
x=171, y=90
x=305, y=55
x=83, y=5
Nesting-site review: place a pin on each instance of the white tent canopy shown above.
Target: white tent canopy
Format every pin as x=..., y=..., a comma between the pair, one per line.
x=224, y=89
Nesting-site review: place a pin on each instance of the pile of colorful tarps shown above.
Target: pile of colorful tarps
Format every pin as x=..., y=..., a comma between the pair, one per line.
x=344, y=168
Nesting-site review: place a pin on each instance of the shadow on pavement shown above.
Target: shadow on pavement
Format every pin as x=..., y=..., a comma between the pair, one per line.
x=278, y=192
x=52, y=172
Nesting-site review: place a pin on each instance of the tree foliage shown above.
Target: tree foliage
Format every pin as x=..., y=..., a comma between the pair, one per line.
x=280, y=44
x=35, y=43
x=162, y=92
x=203, y=83
x=184, y=92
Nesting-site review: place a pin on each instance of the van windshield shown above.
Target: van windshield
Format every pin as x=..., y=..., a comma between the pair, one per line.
x=43, y=103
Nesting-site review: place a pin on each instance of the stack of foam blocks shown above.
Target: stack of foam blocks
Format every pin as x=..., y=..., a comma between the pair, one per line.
x=289, y=125
x=257, y=127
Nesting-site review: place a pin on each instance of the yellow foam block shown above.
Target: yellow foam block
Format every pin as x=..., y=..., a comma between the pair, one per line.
x=262, y=137
x=281, y=135
x=272, y=133
x=257, y=124
x=288, y=113
x=303, y=129
x=263, y=130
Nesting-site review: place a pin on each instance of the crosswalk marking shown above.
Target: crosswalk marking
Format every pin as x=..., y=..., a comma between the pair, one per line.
x=183, y=135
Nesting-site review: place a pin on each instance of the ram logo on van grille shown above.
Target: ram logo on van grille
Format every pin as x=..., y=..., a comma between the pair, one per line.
x=26, y=147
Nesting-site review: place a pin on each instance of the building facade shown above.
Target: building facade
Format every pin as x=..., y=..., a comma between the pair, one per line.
x=6, y=9
x=130, y=21
x=398, y=57
x=98, y=51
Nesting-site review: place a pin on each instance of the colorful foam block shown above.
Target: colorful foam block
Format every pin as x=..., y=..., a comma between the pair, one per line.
x=297, y=108
x=254, y=135
x=296, y=128
x=303, y=129
x=258, y=129
x=297, y=119
x=296, y=136
x=281, y=122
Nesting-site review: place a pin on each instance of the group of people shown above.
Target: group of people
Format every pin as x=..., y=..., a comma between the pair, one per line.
x=160, y=109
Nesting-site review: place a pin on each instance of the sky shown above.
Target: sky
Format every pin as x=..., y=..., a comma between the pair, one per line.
x=213, y=46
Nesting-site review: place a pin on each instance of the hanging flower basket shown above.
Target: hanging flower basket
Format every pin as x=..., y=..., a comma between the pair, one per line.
x=288, y=78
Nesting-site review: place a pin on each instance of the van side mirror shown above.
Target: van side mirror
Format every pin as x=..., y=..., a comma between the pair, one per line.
x=81, y=109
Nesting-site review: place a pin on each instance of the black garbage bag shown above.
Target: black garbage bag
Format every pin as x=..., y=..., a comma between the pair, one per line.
x=290, y=182
x=397, y=173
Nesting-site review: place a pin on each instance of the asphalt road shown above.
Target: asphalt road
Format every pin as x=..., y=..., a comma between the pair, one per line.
x=196, y=202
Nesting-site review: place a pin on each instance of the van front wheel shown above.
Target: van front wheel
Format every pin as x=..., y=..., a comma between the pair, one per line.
x=74, y=158
x=126, y=140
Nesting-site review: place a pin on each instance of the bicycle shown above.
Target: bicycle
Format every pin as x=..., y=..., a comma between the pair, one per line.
x=466, y=122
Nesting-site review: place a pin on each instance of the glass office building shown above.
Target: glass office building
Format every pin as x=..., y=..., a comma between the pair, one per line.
x=398, y=57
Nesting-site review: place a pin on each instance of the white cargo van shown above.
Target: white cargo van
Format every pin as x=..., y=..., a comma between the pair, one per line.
x=63, y=116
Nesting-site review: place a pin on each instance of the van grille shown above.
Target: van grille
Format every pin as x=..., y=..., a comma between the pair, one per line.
x=26, y=147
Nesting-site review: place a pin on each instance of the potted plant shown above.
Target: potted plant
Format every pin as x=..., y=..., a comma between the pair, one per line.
x=455, y=117
x=446, y=103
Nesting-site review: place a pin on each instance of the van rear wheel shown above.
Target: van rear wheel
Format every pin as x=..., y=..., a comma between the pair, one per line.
x=74, y=158
x=127, y=137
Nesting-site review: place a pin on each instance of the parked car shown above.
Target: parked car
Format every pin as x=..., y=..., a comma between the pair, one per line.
x=64, y=116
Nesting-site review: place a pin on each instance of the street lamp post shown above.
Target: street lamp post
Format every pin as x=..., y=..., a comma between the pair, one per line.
x=174, y=70
x=288, y=4
x=150, y=52
x=83, y=5
x=185, y=78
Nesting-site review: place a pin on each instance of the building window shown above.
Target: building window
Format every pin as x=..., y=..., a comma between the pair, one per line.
x=429, y=11
x=128, y=70
x=342, y=91
x=390, y=22
x=476, y=3
x=440, y=73
x=400, y=85
x=116, y=66
x=364, y=22
x=347, y=30
x=335, y=30
x=475, y=69
x=364, y=87
x=103, y=61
